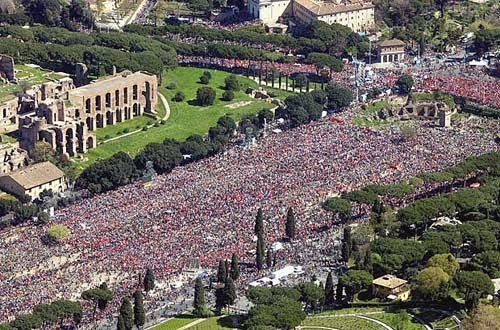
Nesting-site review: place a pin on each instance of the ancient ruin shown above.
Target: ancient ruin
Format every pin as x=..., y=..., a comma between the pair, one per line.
x=7, y=72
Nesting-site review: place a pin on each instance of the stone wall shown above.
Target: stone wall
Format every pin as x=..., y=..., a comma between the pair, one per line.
x=7, y=71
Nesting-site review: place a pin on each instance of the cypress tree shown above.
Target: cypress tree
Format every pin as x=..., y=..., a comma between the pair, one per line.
x=259, y=223
x=269, y=259
x=220, y=298
x=260, y=252
x=290, y=224
x=228, y=268
x=149, y=280
x=367, y=261
x=102, y=303
x=339, y=293
x=127, y=314
x=230, y=291
x=199, y=295
x=329, y=294
x=139, y=312
x=121, y=324
x=235, y=267
x=346, y=244
x=221, y=272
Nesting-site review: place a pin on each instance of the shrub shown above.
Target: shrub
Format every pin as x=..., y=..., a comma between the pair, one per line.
x=171, y=86
x=204, y=80
x=150, y=122
x=178, y=97
x=145, y=128
x=119, y=133
x=107, y=136
x=138, y=126
x=232, y=83
x=228, y=95
x=205, y=96
x=58, y=232
x=126, y=130
x=163, y=122
x=157, y=124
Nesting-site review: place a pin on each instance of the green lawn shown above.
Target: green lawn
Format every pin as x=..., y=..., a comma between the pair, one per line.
x=175, y=323
x=131, y=125
x=341, y=323
x=186, y=118
x=31, y=76
x=434, y=318
x=391, y=319
x=214, y=323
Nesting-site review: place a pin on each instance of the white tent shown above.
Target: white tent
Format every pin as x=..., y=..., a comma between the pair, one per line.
x=478, y=63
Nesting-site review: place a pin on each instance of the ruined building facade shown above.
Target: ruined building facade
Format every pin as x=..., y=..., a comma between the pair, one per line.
x=65, y=116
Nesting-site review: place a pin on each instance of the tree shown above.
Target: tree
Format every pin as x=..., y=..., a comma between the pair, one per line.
x=178, y=97
x=58, y=232
x=473, y=285
x=367, y=261
x=338, y=96
x=231, y=83
x=199, y=295
x=404, y=84
x=487, y=262
x=338, y=205
x=205, y=96
x=99, y=296
x=259, y=258
x=312, y=295
x=300, y=81
x=43, y=217
x=228, y=95
x=354, y=281
x=329, y=293
x=290, y=224
x=199, y=5
x=230, y=291
x=259, y=223
x=205, y=77
x=346, y=244
x=269, y=258
x=402, y=319
x=484, y=318
x=127, y=314
x=446, y=262
x=120, y=325
x=220, y=298
x=339, y=292
x=149, y=280
x=221, y=272
x=139, y=312
x=235, y=267
x=432, y=283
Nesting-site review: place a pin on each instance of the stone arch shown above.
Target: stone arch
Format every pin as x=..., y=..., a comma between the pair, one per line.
x=117, y=98
x=88, y=105
x=119, y=116
x=69, y=142
x=4, y=113
x=136, y=109
x=109, y=118
x=59, y=141
x=90, y=142
x=98, y=102
x=135, y=92
x=99, y=121
x=90, y=123
x=107, y=100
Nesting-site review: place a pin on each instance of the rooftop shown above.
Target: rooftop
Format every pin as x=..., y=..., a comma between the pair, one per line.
x=36, y=174
x=118, y=81
x=389, y=281
x=391, y=43
x=330, y=7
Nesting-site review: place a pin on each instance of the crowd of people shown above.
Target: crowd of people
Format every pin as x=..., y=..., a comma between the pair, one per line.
x=206, y=210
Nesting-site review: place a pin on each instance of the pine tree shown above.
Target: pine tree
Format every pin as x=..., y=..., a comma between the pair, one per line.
x=329, y=294
x=339, y=293
x=127, y=314
x=260, y=252
x=199, y=295
x=269, y=259
x=149, y=280
x=221, y=272
x=235, y=268
x=121, y=324
x=290, y=224
x=139, y=312
x=230, y=291
x=259, y=223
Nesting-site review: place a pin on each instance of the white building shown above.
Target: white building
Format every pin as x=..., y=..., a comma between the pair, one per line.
x=359, y=15
x=268, y=11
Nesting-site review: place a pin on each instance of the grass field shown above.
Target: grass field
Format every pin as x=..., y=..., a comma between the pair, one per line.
x=131, y=125
x=175, y=323
x=341, y=323
x=213, y=323
x=391, y=319
x=186, y=117
x=31, y=76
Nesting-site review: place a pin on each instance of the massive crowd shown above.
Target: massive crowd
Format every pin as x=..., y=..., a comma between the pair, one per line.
x=206, y=210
